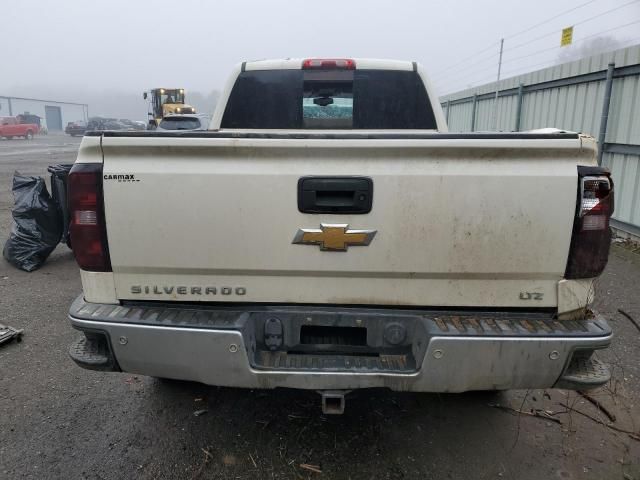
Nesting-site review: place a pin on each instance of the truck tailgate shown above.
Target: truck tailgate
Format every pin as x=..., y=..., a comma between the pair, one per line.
x=459, y=220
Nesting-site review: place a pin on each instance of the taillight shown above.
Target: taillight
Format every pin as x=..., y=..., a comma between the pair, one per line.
x=87, y=227
x=591, y=237
x=328, y=64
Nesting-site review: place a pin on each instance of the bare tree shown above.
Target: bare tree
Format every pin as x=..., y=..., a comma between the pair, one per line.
x=590, y=47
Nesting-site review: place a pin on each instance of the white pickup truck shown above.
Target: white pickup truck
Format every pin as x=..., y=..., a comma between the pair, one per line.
x=327, y=233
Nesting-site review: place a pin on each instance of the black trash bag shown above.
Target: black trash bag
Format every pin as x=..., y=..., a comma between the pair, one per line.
x=59, y=175
x=37, y=224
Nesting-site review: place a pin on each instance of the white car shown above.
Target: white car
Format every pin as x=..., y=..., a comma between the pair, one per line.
x=191, y=121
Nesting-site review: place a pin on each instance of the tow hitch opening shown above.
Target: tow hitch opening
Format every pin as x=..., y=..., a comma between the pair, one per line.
x=333, y=401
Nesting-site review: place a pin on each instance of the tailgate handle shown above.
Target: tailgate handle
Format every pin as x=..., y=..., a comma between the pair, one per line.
x=338, y=195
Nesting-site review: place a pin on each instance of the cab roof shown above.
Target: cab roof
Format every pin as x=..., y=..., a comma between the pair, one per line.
x=360, y=64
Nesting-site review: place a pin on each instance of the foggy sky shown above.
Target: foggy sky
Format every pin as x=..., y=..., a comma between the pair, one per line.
x=81, y=50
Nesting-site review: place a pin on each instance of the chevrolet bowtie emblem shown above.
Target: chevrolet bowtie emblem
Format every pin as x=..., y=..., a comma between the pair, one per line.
x=333, y=237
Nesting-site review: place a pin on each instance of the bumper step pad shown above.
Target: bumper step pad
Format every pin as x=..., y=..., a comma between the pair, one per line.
x=288, y=361
x=508, y=324
x=93, y=353
x=584, y=374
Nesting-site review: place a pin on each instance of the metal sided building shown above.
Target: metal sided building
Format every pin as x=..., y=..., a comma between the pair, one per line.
x=53, y=114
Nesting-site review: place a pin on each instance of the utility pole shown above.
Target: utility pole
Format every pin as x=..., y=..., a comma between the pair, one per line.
x=602, y=136
x=495, y=103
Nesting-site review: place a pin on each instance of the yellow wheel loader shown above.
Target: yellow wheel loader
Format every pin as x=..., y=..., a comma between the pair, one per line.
x=165, y=101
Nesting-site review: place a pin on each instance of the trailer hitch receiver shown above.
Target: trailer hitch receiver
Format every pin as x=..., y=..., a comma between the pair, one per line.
x=333, y=401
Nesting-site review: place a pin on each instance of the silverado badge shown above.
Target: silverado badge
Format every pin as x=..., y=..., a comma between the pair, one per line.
x=333, y=237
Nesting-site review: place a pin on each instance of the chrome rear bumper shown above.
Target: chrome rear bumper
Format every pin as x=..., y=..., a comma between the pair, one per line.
x=447, y=351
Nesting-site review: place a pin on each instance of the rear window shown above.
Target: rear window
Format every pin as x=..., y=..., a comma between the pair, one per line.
x=328, y=99
x=180, y=123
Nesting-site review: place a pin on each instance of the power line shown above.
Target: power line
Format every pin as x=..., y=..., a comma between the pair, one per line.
x=477, y=62
x=461, y=63
x=605, y=12
x=457, y=78
x=578, y=41
x=527, y=69
x=523, y=44
x=492, y=45
x=483, y=81
x=575, y=24
x=471, y=70
x=470, y=56
x=549, y=19
x=537, y=52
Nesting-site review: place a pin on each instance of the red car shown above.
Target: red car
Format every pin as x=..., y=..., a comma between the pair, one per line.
x=10, y=127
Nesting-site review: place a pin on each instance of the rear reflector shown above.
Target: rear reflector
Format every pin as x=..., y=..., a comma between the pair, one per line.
x=87, y=228
x=591, y=237
x=86, y=217
x=328, y=64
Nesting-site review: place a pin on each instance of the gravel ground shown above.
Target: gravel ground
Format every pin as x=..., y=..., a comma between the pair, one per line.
x=59, y=421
